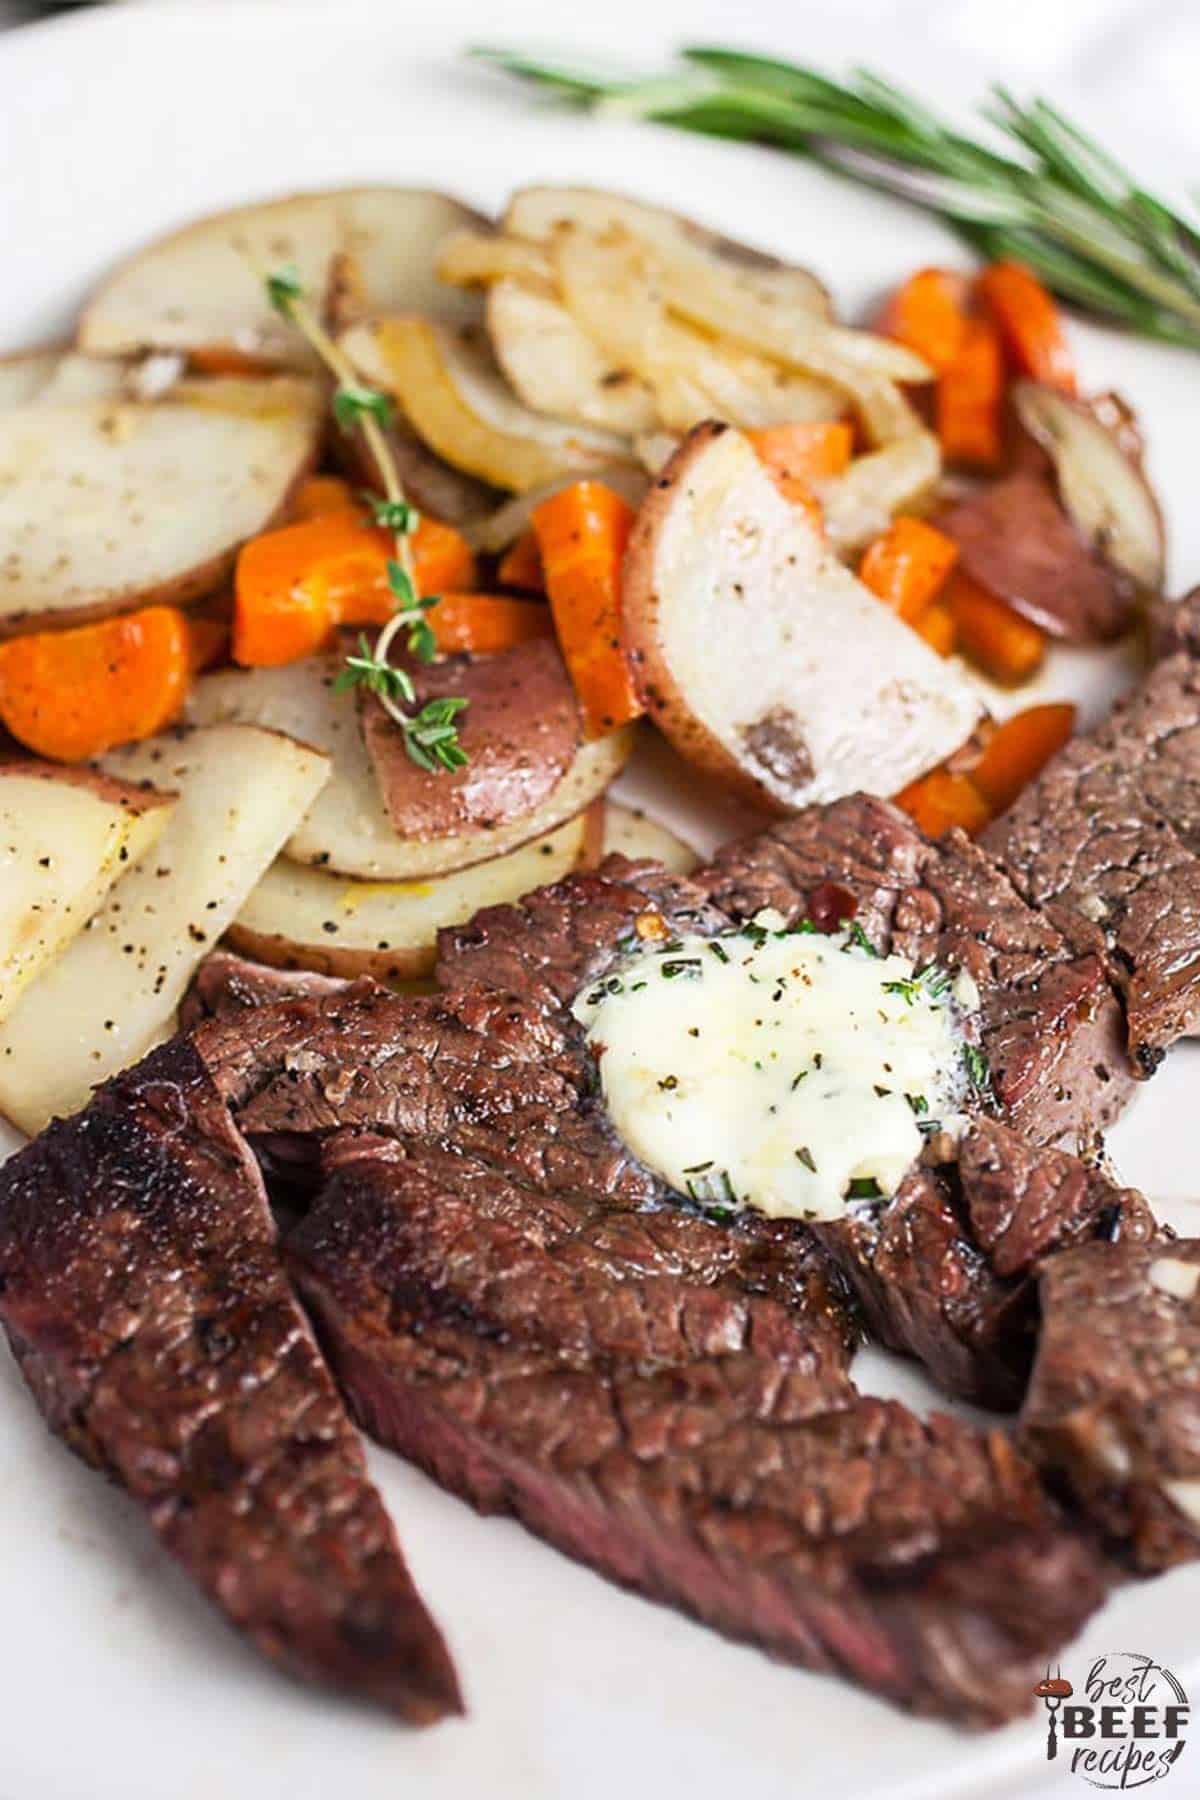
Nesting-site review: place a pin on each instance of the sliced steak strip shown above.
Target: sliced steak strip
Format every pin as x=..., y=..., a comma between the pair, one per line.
x=943, y=1268
x=226, y=984
x=1113, y=1410
x=684, y=1440
x=510, y=1093
x=1048, y=1022
x=1107, y=843
x=142, y=1293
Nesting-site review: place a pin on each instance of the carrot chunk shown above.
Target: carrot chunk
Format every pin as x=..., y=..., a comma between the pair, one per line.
x=1006, y=646
x=970, y=392
x=487, y=623
x=321, y=495
x=582, y=532
x=294, y=587
x=940, y=800
x=521, y=564
x=808, y=451
x=1019, y=749
x=1029, y=323
x=928, y=314
x=70, y=695
x=936, y=626
x=907, y=566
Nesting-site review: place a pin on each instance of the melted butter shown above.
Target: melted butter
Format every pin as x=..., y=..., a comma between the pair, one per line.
x=778, y=1069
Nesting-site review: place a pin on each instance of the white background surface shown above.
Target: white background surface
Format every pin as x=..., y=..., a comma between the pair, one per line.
x=116, y=1680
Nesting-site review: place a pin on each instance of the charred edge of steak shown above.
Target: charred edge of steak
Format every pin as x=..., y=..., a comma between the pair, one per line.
x=669, y=1437
x=943, y=1270
x=1113, y=1408
x=146, y=1303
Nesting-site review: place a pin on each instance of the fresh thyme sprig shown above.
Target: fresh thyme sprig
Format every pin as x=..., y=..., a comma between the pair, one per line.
x=430, y=735
x=1045, y=194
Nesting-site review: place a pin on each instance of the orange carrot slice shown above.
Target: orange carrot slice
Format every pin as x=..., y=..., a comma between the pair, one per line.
x=1019, y=749
x=940, y=800
x=1029, y=323
x=294, y=587
x=488, y=623
x=582, y=532
x=936, y=626
x=970, y=393
x=907, y=566
x=1006, y=646
x=322, y=495
x=928, y=314
x=70, y=695
x=521, y=564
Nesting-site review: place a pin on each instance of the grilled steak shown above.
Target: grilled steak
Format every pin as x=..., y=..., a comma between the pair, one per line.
x=225, y=983
x=1113, y=1409
x=1107, y=843
x=1048, y=1023
x=682, y=1437
x=144, y=1299
x=943, y=1269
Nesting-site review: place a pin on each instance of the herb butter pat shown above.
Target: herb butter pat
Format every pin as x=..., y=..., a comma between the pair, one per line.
x=776, y=1068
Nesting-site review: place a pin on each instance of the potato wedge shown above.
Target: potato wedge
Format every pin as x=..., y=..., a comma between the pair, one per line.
x=65, y=836
x=24, y=374
x=299, y=918
x=447, y=385
x=347, y=829
x=1103, y=488
x=800, y=687
x=201, y=288
x=108, y=504
x=539, y=213
x=114, y=990
x=630, y=832
x=555, y=367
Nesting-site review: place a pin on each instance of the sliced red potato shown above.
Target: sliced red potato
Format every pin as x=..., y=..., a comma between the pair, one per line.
x=65, y=836
x=1102, y=485
x=299, y=918
x=539, y=213
x=447, y=385
x=202, y=288
x=555, y=367
x=762, y=658
x=633, y=833
x=111, y=504
x=348, y=829
x=24, y=374
x=1017, y=541
x=520, y=733
x=113, y=992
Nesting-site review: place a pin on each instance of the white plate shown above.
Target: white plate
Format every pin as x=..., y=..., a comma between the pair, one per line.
x=118, y=1682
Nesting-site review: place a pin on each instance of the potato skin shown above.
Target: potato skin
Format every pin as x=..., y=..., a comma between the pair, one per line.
x=400, y=964
x=664, y=699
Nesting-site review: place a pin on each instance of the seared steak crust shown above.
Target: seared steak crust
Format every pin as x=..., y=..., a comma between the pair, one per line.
x=1047, y=1021
x=1113, y=1409
x=145, y=1301
x=1107, y=843
x=687, y=1440
x=943, y=1269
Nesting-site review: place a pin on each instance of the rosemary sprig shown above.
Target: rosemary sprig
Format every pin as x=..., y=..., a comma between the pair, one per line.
x=430, y=735
x=1044, y=192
